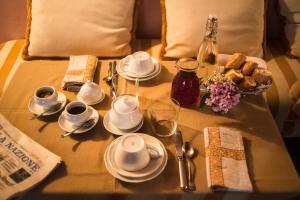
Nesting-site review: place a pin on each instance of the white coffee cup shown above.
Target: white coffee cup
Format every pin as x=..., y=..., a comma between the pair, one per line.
x=90, y=92
x=140, y=63
x=125, y=112
x=45, y=96
x=77, y=112
x=131, y=153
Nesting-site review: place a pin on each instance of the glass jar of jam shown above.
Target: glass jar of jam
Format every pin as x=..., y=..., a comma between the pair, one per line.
x=186, y=84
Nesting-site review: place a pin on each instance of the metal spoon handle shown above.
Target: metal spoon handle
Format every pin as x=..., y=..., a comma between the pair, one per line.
x=85, y=124
x=37, y=116
x=190, y=177
x=182, y=175
x=41, y=114
x=47, y=110
x=69, y=133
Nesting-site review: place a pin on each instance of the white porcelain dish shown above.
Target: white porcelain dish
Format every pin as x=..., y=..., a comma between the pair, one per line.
x=137, y=178
x=130, y=76
x=68, y=126
x=38, y=109
x=109, y=126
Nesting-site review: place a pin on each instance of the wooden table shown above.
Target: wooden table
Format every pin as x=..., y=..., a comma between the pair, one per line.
x=83, y=174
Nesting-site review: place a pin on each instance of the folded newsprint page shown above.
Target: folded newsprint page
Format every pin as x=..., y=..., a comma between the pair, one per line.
x=23, y=162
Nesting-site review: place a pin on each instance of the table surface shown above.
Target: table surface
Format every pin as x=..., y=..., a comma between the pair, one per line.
x=83, y=173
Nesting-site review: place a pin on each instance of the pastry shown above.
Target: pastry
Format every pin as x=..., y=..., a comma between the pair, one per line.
x=234, y=75
x=248, y=67
x=247, y=83
x=262, y=76
x=236, y=60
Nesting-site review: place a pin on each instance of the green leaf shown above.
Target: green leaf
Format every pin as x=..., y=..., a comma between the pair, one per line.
x=203, y=98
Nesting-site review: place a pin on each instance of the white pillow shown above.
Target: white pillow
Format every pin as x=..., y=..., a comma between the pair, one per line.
x=241, y=26
x=60, y=28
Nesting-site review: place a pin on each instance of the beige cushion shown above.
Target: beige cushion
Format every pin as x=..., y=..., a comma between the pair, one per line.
x=290, y=9
x=241, y=26
x=60, y=28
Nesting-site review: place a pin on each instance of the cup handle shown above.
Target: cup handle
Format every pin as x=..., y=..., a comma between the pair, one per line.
x=63, y=113
x=153, y=152
x=90, y=111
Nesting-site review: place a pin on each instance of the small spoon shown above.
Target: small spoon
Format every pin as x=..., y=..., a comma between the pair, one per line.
x=85, y=125
x=189, y=152
x=108, y=78
x=51, y=109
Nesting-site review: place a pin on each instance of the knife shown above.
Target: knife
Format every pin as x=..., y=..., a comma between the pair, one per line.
x=182, y=170
x=114, y=68
x=114, y=83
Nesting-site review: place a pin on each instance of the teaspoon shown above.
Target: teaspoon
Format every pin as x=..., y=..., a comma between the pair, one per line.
x=85, y=125
x=108, y=78
x=189, y=152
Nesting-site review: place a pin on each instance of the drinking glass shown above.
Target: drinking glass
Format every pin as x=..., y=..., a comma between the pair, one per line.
x=124, y=86
x=164, y=116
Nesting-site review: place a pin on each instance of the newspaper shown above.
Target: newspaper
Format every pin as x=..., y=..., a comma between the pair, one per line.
x=23, y=162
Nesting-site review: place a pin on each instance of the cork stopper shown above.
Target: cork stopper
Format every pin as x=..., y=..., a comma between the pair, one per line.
x=187, y=64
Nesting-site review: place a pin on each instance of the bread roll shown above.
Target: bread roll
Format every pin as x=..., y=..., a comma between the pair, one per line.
x=247, y=83
x=236, y=60
x=248, y=67
x=234, y=75
x=262, y=76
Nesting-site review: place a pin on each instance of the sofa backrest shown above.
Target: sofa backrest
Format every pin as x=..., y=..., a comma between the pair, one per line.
x=149, y=19
x=13, y=19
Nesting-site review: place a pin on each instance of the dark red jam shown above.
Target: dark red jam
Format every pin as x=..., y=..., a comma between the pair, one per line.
x=186, y=88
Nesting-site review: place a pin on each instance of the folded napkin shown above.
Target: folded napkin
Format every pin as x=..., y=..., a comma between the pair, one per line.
x=226, y=166
x=80, y=70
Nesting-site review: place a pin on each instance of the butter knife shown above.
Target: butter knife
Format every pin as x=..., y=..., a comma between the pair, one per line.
x=114, y=84
x=181, y=161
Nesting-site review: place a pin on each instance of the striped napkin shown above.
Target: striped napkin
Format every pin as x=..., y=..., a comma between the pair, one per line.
x=226, y=166
x=80, y=70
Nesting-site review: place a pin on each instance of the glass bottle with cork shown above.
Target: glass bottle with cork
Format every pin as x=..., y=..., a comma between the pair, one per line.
x=208, y=51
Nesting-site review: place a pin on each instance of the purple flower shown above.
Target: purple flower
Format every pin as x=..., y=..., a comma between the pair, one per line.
x=223, y=96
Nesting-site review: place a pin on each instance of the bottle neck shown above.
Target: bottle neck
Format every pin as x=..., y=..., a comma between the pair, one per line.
x=210, y=38
x=211, y=28
x=211, y=35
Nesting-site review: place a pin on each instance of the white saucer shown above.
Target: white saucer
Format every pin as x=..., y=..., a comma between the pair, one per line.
x=92, y=103
x=38, y=109
x=109, y=126
x=124, y=63
x=68, y=126
x=131, y=76
x=149, y=140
